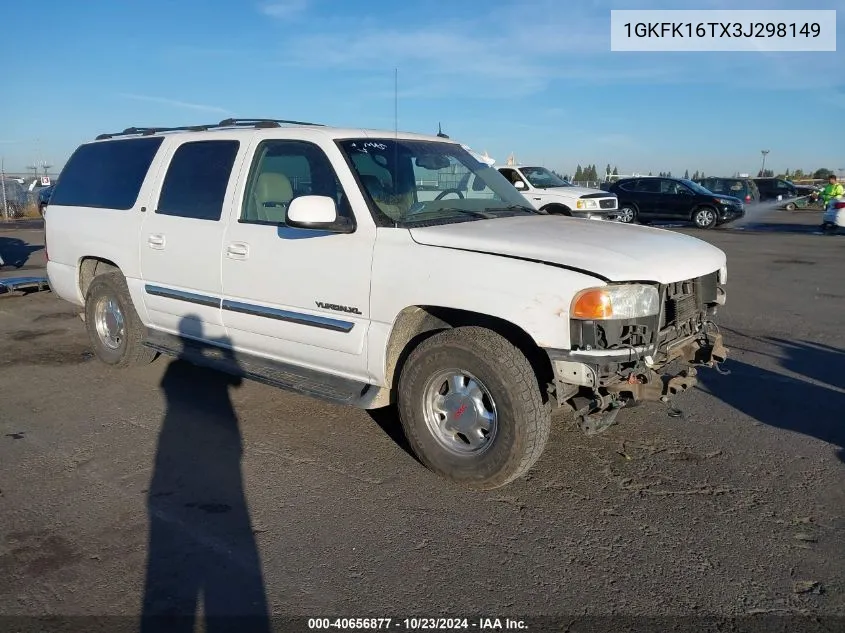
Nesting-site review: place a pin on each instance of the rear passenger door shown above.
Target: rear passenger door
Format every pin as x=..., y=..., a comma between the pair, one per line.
x=181, y=237
x=646, y=194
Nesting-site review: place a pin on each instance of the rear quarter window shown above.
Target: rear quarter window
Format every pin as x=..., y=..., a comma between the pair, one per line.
x=106, y=175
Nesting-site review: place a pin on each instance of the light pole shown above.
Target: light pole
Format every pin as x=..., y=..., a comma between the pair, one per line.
x=764, y=152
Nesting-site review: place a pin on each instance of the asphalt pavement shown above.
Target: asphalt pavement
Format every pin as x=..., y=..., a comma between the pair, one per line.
x=170, y=488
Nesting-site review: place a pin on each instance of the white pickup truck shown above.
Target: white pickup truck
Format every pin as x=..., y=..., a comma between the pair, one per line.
x=548, y=192
x=355, y=266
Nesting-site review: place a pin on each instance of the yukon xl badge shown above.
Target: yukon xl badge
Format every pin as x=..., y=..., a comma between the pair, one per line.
x=337, y=308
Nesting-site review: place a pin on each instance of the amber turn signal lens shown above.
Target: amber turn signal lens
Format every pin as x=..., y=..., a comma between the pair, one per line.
x=592, y=304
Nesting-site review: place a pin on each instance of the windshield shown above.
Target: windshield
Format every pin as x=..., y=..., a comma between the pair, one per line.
x=412, y=183
x=542, y=178
x=696, y=187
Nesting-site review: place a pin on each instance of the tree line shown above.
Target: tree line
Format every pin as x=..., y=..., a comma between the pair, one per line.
x=799, y=174
x=590, y=174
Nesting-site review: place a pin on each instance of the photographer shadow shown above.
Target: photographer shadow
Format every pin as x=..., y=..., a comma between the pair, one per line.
x=202, y=549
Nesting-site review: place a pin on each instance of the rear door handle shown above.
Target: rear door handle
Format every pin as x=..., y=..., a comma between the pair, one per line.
x=537, y=198
x=237, y=250
x=156, y=241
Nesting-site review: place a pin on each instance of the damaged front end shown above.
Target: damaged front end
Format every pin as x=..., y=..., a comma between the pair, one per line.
x=619, y=362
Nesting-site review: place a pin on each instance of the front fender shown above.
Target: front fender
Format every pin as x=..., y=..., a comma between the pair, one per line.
x=533, y=296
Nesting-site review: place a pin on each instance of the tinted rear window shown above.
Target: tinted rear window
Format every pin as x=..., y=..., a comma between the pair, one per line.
x=107, y=175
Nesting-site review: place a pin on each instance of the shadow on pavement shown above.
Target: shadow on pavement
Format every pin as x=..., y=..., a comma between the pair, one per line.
x=202, y=550
x=387, y=419
x=793, y=404
x=15, y=252
x=777, y=227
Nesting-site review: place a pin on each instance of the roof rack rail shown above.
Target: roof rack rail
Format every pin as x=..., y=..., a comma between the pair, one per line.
x=256, y=123
x=147, y=131
x=261, y=123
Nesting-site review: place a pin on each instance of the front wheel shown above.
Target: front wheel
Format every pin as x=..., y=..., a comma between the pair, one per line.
x=114, y=327
x=790, y=206
x=705, y=218
x=471, y=408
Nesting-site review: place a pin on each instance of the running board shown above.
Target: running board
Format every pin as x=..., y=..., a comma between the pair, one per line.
x=299, y=380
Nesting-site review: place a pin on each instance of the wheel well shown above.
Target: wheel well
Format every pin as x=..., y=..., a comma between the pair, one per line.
x=417, y=323
x=90, y=267
x=556, y=207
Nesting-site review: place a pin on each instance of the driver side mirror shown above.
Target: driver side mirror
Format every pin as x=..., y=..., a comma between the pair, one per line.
x=317, y=213
x=520, y=185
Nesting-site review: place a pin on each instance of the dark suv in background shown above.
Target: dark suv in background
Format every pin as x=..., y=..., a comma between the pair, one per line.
x=771, y=188
x=743, y=188
x=653, y=198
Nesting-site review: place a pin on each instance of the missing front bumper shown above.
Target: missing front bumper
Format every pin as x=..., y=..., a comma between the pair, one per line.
x=575, y=373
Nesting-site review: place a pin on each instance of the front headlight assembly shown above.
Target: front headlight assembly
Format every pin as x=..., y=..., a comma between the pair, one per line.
x=623, y=301
x=586, y=204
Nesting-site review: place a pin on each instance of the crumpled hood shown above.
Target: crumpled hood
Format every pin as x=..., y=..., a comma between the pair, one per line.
x=618, y=252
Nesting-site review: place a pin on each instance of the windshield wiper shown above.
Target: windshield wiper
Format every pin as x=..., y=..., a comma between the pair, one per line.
x=518, y=207
x=475, y=214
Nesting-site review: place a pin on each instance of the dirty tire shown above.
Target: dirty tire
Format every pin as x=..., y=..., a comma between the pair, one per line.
x=705, y=218
x=523, y=419
x=131, y=350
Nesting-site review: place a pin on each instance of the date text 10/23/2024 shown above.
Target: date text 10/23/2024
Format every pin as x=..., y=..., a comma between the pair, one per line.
x=417, y=624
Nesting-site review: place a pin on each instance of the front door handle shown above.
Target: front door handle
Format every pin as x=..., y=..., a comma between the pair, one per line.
x=156, y=241
x=537, y=198
x=237, y=250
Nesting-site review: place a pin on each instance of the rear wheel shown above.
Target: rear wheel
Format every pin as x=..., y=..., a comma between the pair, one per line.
x=114, y=327
x=705, y=218
x=471, y=408
x=790, y=206
x=627, y=214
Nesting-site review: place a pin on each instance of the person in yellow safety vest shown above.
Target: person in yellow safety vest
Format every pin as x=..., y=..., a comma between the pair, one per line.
x=832, y=189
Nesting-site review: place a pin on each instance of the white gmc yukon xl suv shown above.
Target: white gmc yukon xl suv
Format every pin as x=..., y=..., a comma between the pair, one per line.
x=309, y=258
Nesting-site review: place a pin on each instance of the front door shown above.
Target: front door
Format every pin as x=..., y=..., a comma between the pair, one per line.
x=675, y=201
x=296, y=295
x=181, y=237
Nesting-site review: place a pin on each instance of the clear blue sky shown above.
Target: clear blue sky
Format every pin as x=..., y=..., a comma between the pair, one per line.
x=533, y=77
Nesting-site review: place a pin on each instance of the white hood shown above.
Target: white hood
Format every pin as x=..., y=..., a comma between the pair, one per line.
x=576, y=192
x=619, y=252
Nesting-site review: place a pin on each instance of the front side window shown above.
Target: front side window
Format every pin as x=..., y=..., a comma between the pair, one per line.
x=196, y=180
x=284, y=170
x=671, y=187
x=697, y=188
x=513, y=177
x=542, y=178
x=411, y=183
